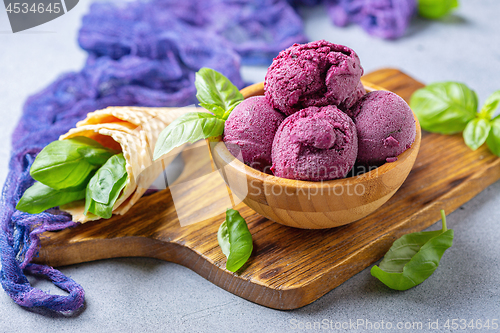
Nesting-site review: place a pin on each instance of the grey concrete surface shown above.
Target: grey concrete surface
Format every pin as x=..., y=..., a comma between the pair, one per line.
x=146, y=295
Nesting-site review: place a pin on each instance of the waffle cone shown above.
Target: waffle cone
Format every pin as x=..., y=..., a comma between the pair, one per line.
x=134, y=131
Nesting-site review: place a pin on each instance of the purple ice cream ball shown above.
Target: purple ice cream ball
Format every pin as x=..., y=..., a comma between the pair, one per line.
x=349, y=102
x=249, y=132
x=315, y=144
x=314, y=74
x=385, y=126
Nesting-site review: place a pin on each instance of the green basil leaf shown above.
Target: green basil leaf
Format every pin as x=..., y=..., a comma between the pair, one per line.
x=60, y=164
x=434, y=9
x=40, y=197
x=444, y=107
x=105, y=187
x=215, y=109
x=216, y=93
x=105, y=210
x=476, y=132
x=223, y=239
x=491, y=104
x=96, y=156
x=235, y=240
x=189, y=127
x=101, y=185
x=493, y=140
x=413, y=258
x=82, y=185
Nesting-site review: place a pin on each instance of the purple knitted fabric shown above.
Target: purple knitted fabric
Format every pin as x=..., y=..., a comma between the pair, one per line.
x=140, y=53
x=387, y=19
x=306, y=3
x=256, y=30
x=19, y=241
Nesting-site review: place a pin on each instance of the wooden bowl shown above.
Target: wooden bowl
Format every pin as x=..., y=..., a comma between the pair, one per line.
x=312, y=205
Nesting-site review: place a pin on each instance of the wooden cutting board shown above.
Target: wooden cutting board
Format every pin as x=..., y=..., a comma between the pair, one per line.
x=289, y=267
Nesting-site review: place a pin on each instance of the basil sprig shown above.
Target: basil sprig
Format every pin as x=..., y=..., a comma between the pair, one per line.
x=190, y=127
x=413, y=257
x=451, y=107
x=105, y=187
x=40, y=197
x=68, y=163
x=235, y=240
x=215, y=93
x=74, y=169
x=444, y=107
x=434, y=9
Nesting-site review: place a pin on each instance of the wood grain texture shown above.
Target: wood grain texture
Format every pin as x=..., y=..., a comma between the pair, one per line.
x=289, y=267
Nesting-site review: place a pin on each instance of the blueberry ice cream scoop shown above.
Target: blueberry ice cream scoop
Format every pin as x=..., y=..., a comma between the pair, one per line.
x=385, y=126
x=319, y=73
x=249, y=132
x=315, y=144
